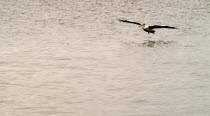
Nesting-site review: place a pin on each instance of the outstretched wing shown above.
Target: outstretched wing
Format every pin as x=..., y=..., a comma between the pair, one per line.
x=161, y=26
x=126, y=21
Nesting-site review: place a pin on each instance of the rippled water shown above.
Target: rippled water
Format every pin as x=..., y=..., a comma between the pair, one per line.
x=73, y=58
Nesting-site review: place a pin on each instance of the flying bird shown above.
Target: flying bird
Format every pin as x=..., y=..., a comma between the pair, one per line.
x=149, y=29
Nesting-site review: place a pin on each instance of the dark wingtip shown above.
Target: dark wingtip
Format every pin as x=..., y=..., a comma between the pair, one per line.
x=128, y=21
x=172, y=28
x=121, y=20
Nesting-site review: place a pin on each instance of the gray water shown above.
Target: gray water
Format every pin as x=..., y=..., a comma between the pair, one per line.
x=73, y=58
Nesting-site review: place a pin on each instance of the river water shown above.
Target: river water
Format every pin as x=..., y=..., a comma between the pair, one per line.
x=74, y=58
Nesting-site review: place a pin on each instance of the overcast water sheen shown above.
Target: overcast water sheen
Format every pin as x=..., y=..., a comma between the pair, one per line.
x=74, y=58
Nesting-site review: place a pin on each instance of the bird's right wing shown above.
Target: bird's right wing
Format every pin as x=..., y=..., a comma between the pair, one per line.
x=161, y=26
x=126, y=21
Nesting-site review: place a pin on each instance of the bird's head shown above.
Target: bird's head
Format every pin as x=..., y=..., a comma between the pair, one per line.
x=142, y=24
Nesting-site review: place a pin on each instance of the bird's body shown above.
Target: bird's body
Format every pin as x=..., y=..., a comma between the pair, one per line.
x=149, y=29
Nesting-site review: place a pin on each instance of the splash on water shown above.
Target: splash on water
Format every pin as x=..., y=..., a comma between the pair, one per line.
x=152, y=43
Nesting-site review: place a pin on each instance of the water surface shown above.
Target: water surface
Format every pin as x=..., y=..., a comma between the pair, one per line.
x=73, y=58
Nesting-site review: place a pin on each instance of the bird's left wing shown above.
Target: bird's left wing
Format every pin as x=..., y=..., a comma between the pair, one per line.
x=127, y=21
x=161, y=26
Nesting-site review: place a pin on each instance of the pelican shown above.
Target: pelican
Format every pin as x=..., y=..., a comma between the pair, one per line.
x=149, y=29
